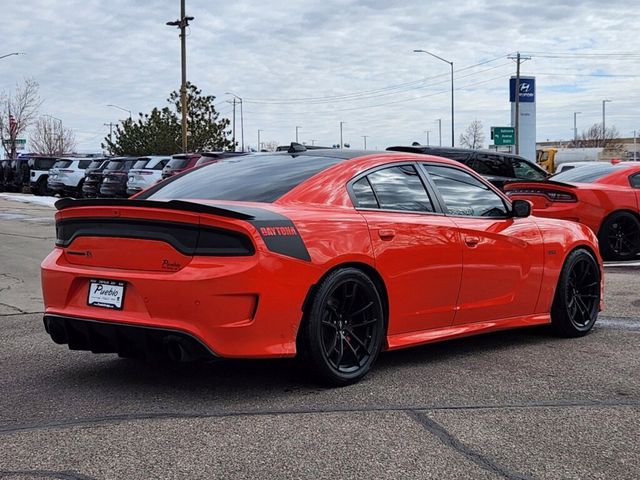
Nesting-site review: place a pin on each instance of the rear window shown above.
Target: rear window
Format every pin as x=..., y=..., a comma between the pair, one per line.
x=42, y=163
x=63, y=163
x=177, y=163
x=255, y=178
x=95, y=164
x=585, y=174
x=115, y=165
x=141, y=163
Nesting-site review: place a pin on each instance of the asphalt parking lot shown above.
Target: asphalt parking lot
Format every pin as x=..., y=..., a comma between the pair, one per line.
x=518, y=405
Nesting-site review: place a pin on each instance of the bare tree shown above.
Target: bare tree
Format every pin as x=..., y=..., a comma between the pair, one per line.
x=269, y=146
x=18, y=111
x=594, y=137
x=473, y=136
x=49, y=137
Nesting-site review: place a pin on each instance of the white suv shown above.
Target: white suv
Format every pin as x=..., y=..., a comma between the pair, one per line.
x=67, y=176
x=147, y=171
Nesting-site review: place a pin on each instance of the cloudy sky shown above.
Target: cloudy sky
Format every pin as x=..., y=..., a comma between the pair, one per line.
x=314, y=64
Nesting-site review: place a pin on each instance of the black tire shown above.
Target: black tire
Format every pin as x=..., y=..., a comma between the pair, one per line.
x=577, y=298
x=619, y=236
x=343, y=329
x=42, y=187
x=79, y=193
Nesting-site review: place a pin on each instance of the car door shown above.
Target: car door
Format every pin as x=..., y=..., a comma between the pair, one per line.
x=502, y=256
x=634, y=181
x=417, y=250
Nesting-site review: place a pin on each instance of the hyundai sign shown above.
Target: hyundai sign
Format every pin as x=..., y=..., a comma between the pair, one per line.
x=527, y=89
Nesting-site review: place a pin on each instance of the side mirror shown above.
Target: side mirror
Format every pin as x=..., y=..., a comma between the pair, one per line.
x=521, y=208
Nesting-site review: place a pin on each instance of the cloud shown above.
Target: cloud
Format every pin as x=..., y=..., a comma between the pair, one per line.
x=87, y=54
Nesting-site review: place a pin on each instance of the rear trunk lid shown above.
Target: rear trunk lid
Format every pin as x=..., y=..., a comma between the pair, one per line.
x=146, y=235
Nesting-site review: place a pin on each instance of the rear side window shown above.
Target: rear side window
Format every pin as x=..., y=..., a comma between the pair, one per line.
x=494, y=165
x=140, y=163
x=115, y=165
x=365, y=198
x=63, y=163
x=464, y=195
x=250, y=178
x=399, y=188
x=634, y=180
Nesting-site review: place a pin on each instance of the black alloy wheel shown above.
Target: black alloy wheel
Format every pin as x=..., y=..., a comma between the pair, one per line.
x=344, y=328
x=577, y=299
x=619, y=236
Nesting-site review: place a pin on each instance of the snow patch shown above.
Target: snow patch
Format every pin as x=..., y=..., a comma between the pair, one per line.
x=26, y=198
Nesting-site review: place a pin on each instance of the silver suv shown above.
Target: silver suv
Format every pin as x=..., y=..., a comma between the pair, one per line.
x=147, y=171
x=67, y=176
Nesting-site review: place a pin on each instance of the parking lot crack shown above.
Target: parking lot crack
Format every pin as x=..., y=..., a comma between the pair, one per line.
x=449, y=440
x=59, y=475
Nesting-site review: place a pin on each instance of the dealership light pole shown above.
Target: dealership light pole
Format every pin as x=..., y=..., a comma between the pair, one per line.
x=9, y=54
x=439, y=131
x=604, y=129
x=575, y=128
x=182, y=23
x=452, y=110
x=120, y=108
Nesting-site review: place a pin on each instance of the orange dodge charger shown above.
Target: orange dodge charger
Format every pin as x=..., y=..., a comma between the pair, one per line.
x=328, y=255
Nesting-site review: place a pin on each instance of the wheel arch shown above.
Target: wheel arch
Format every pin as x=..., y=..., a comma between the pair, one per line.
x=621, y=210
x=368, y=270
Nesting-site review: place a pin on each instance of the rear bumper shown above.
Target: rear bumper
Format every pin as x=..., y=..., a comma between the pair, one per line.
x=130, y=341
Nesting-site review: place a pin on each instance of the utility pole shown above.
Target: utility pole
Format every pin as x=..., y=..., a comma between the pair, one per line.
x=233, y=139
x=427, y=132
x=182, y=24
x=439, y=132
x=110, y=125
x=341, y=144
x=519, y=59
x=259, y=130
x=297, y=128
x=241, y=125
x=365, y=140
x=575, y=129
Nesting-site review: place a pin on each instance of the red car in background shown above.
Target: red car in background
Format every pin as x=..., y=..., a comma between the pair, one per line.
x=605, y=197
x=179, y=163
x=328, y=255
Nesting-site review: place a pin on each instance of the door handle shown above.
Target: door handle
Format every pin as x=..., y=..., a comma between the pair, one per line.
x=386, y=233
x=471, y=241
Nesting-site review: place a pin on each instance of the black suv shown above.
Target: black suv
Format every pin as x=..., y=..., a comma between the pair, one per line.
x=115, y=176
x=497, y=167
x=93, y=177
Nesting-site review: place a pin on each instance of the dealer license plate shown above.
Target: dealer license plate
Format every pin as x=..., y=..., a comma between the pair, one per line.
x=106, y=293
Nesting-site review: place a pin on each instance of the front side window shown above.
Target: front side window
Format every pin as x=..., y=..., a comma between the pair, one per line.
x=526, y=171
x=465, y=195
x=400, y=188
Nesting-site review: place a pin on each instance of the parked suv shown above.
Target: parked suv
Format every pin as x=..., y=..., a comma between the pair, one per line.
x=180, y=163
x=5, y=175
x=67, y=176
x=39, y=167
x=497, y=167
x=145, y=172
x=115, y=176
x=18, y=175
x=93, y=177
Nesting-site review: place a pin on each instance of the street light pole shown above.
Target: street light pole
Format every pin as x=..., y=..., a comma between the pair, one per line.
x=341, y=143
x=9, y=54
x=427, y=132
x=439, y=132
x=635, y=150
x=604, y=129
x=120, y=108
x=259, y=130
x=365, y=140
x=182, y=24
x=297, y=128
x=575, y=128
x=452, y=103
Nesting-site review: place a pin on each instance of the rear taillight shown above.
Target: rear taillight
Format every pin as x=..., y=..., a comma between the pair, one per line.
x=553, y=195
x=145, y=173
x=65, y=170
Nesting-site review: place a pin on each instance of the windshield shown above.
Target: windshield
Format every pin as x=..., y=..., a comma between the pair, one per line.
x=253, y=178
x=585, y=174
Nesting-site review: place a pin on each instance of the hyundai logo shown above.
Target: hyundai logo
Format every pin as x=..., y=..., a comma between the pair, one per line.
x=525, y=87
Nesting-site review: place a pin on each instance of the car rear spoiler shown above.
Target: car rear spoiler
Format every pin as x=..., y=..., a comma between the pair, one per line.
x=229, y=212
x=541, y=182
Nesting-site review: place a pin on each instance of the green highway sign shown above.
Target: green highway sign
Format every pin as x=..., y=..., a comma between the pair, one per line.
x=503, y=135
x=19, y=141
